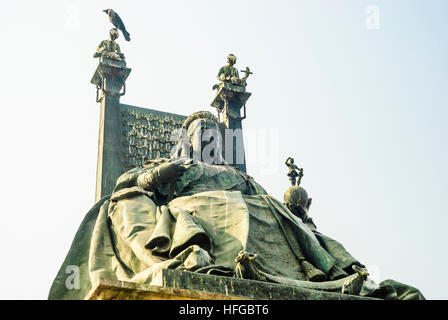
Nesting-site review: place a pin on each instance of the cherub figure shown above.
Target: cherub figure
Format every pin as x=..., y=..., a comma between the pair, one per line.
x=294, y=172
x=229, y=73
x=109, y=48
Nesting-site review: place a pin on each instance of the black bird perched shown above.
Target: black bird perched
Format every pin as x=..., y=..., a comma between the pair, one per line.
x=118, y=23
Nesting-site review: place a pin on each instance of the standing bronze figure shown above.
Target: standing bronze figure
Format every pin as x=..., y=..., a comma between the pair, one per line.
x=294, y=172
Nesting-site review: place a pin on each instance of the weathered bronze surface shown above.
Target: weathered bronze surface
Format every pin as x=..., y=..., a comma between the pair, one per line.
x=185, y=285
x=230, y=98
x=168, y=224
x=106, y=289
x=109, y=79
x=109, y=49
x=294, y=172
x=231, y=86
x=210, y=219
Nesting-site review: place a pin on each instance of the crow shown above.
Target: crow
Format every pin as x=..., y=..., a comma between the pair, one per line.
x=118, y=23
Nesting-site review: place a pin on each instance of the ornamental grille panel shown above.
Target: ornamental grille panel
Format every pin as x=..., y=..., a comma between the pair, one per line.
x=146, y=134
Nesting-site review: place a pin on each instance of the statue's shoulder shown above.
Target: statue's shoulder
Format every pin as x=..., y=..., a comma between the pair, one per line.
x=222, y=70
x=128, y=179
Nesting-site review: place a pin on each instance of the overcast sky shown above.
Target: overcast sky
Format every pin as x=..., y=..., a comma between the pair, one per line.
x=354, y=90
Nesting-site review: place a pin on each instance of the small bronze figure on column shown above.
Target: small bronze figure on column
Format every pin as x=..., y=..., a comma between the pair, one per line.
x=294, y=172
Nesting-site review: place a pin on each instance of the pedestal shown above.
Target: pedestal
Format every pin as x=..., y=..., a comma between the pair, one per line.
x=185, y=285
x=109, y=78
x=229, y=100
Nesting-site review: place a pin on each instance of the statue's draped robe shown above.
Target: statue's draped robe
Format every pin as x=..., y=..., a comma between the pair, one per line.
x=199, y=223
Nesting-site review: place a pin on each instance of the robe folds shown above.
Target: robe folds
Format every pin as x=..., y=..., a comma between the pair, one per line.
x=200, y=224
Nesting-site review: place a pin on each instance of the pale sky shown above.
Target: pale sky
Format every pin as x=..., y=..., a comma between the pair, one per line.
x=354, y=90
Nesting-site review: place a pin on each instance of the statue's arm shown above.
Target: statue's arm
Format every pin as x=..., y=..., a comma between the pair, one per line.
x=101, y=47
x=127, y=179
x=148, y=180
x=164, y=173
x=220, y=73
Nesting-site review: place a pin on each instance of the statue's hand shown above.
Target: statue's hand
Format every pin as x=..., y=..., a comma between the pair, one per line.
x=164, y=173
x=170, y=171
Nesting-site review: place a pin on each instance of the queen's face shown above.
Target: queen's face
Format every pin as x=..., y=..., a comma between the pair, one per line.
x=205, y=139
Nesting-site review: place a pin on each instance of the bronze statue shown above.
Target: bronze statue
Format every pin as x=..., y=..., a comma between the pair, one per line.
x=229, y=74
x=297, y=201
x=294, y=172
x=211, y=218
x=109, y=48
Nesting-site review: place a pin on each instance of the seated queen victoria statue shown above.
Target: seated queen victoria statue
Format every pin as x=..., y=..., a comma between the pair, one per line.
x=196, y=213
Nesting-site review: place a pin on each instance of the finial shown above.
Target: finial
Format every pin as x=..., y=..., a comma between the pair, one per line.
x=294, y=172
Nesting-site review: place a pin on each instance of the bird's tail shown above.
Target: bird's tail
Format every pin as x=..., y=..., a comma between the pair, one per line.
x=126, y=35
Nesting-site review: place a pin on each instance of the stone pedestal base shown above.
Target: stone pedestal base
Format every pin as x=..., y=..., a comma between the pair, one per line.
x=178, y=285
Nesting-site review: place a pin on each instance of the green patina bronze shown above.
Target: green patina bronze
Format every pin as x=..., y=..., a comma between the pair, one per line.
x=229, y=76
x=230, y=99
x=183, y=213
x=212, y=219
x=229, y=73
x=294, y=172
x=109, y=49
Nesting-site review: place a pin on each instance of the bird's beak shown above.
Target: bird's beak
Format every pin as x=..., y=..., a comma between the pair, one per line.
x=105, y=10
